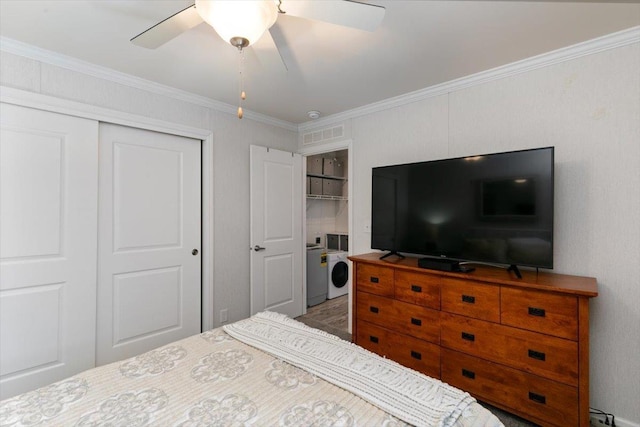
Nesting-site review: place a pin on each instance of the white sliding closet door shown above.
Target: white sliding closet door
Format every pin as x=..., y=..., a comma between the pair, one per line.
x=48, y=220
x=149, y=265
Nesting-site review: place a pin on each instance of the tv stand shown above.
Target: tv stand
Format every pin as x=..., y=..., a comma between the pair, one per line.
x=515, y=269
x=392, y=253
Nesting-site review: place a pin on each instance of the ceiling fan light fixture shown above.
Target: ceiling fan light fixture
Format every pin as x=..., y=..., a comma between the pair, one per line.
x=240, y=23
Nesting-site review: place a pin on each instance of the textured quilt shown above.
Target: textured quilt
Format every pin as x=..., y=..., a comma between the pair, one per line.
x=213, y=379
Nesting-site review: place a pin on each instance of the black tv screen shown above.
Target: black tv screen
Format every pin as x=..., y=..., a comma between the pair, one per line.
x=492, y=208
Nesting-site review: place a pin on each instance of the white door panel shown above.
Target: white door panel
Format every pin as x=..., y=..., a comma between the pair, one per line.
x=276, y=226
x=149, y=281
x=48, y=211
x=136, y=195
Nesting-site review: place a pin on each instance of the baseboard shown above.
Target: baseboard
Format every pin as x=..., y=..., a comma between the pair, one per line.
x=621, y=422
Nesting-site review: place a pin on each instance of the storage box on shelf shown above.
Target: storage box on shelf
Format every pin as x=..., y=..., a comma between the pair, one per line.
x=519, y=344
x=325, y=179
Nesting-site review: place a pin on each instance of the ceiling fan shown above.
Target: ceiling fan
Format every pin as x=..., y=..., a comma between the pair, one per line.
x=242, y=22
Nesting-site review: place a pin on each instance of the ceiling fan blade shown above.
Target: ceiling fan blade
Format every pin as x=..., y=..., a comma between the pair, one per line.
x=347, y=13
x=168, y=29
x=272, y=50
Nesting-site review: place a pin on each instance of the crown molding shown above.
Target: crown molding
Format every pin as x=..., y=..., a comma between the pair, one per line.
x=59, y=60
x=590, y=47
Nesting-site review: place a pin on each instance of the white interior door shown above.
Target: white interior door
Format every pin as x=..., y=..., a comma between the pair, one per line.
x=48, y=214
x=149, y=265
x=276, y=231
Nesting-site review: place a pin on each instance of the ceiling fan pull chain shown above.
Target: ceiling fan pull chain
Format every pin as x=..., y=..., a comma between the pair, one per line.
x=243, y=95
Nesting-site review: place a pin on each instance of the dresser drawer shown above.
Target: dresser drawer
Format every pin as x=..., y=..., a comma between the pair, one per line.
x=472, y=299
x=417, y=354
x=409, y=319
x=374, y=279
x=420, y=289
x=549, y=357
x=373, y=338
x=544, y=312
x=546, y=400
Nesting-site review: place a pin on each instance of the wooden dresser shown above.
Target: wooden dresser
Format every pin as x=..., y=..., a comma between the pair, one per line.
x=519, y=344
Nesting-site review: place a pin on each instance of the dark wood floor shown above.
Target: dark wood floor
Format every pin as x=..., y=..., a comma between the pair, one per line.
x=330, y=316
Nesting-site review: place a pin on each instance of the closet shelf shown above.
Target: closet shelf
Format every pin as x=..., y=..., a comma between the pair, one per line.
x=321, y=197
x=337, y=178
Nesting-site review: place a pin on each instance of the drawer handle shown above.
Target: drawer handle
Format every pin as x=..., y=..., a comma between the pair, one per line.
x=538, y=355
x=373, y=309
x=416, y=355
x=416, y=288
x=539, y=398
x=469, y=374
x=469, y=299
x=468, y=337
x=374, y=280
x=373, y=339
x=416, y=322
x=539, y=312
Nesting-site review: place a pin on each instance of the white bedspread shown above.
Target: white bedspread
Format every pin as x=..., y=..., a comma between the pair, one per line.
x=210, y=379
x=409, y=395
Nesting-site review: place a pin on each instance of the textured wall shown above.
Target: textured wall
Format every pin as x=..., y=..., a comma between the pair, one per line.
x=231, y=137
x=589, y=109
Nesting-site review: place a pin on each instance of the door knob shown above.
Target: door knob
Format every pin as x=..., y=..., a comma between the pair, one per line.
x=194, y=252
x=258, y=248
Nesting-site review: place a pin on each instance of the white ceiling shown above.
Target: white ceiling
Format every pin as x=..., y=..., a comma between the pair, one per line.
x=334, y=69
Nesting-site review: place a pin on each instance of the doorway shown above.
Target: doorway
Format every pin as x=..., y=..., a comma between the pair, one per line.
x=327, y=228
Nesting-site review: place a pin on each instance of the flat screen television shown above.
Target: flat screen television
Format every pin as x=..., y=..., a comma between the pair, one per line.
x=492, y=208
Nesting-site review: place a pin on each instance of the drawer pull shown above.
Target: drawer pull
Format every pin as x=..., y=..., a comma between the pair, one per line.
x=539, y=312
x=416, y=355
x=416, y=288
x=373, y=309
x=468, y=337
x=416, y=322
x=537, y=398
x=469, y=374
x=373, y=339
x=374, y=280
x=469, y=299
x=538, y=355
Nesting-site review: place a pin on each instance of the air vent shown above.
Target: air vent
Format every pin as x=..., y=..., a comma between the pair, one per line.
x=323, y=135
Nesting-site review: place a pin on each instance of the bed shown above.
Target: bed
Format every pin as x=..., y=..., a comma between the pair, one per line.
x=268, y=370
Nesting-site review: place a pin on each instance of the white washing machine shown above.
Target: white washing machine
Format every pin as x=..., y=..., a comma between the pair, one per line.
x=339, y=275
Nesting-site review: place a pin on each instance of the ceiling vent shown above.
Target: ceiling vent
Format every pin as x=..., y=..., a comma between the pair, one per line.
x=323, y=135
